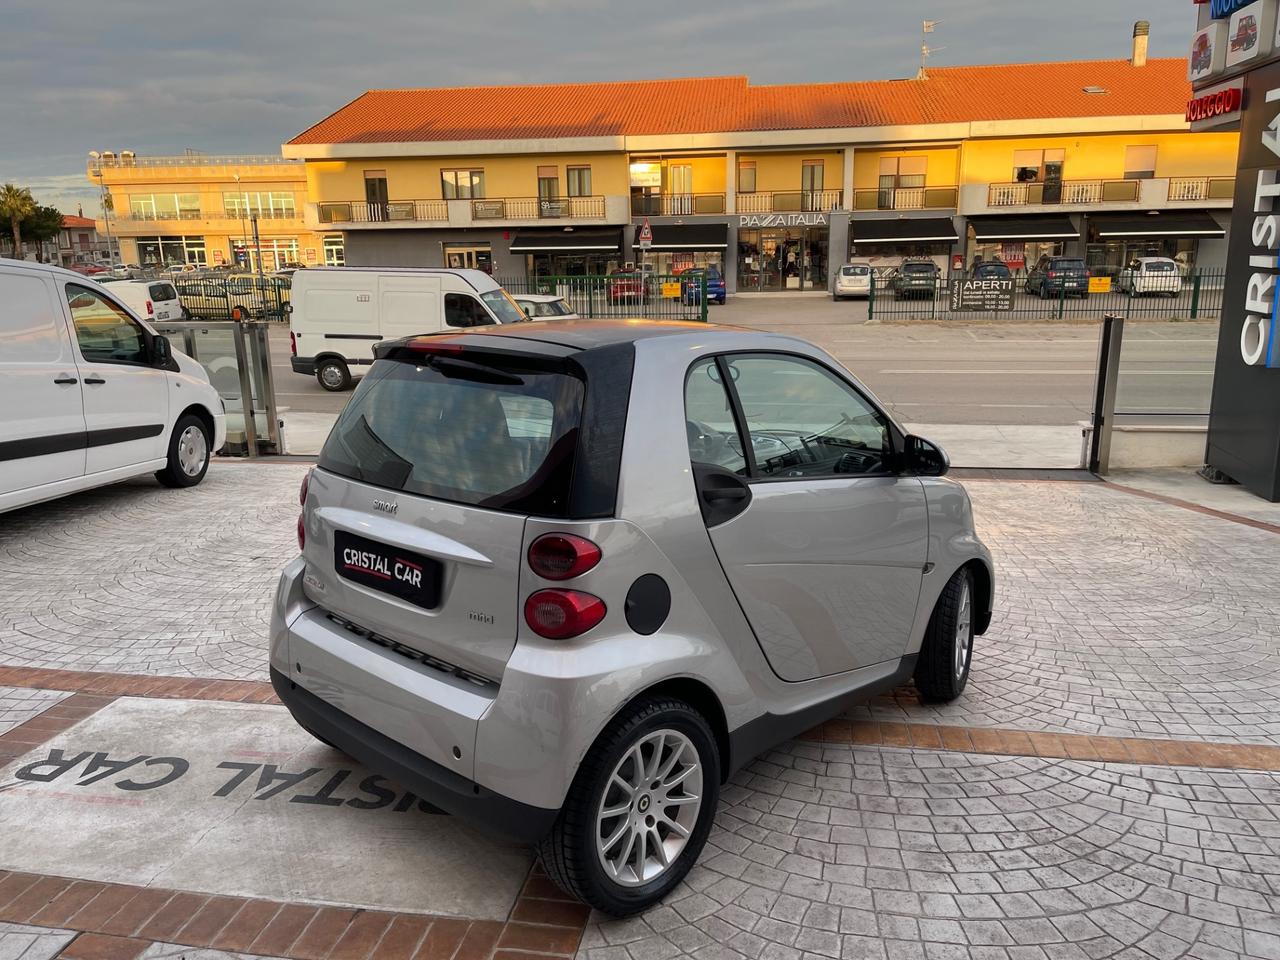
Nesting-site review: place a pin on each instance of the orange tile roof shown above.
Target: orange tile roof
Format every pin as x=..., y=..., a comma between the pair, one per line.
x=70, y=220
x=729, y=104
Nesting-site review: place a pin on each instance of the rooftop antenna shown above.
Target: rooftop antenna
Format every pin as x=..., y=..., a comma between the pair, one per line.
x=926, y=51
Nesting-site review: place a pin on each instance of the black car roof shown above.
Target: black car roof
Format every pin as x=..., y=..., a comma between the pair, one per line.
x=587, y=334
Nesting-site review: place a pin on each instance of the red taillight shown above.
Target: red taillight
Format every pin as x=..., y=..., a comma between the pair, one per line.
x=302, y=489
x=1053, y=273
x=562, y=556
x=150, y=310
x=302, y=532
x=562, y=614
x=293, y=344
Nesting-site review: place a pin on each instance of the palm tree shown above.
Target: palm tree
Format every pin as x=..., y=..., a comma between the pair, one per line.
x=16, y=204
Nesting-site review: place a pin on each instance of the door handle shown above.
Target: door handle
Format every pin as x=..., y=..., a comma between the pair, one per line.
x=94, y=380
x=65, y=379
x=724, y=493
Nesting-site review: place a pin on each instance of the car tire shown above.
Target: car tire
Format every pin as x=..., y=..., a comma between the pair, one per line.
x=189, y=453
x=942, y=668
x=663, y=733
x=333, y=375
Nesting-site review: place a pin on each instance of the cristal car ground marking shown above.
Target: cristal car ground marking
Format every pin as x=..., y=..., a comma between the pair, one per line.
x=237, y=799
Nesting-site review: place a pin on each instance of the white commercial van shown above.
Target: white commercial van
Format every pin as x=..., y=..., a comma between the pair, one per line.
x=89, y=394
x=338, y=314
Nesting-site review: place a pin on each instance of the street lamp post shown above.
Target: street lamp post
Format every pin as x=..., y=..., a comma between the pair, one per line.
x=106, y=214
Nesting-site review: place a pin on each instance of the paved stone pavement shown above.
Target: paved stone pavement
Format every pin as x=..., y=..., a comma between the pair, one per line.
x=855, y=853
x=21, y=942
x=1115, y=614
x=19, y=704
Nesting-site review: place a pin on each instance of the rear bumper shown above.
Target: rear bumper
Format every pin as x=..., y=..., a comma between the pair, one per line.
x=305, y=365
x=429, y=780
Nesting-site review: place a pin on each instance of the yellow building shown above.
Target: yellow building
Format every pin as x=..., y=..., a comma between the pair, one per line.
x=198, y=209
x=777, y=185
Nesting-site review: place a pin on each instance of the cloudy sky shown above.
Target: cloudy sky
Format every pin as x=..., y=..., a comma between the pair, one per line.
x=242, y=77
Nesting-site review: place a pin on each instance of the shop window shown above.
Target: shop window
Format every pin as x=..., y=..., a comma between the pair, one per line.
x=578, y=180
x=462, y=184
x=746, y=176
x=1139, y=163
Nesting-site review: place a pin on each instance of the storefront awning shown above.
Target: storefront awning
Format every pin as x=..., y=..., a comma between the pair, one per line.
x=905, y=230
x=990, y=229
x=1198, y=224
x=567, y=241
x=688, y=236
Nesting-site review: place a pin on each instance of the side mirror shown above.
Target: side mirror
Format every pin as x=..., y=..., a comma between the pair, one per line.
x=924, y=458
x=161, y=352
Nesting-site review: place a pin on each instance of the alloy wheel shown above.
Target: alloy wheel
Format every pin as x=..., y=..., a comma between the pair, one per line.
x=964, y=629
x=649, y=808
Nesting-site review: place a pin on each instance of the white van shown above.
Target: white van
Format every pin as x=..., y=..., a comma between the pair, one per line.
x=149, y=299
x=338, y=314
x=89, y=394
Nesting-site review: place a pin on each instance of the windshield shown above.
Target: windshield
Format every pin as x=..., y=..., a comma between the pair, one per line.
x=486, y=432
x=553, y=308
x=503, y=307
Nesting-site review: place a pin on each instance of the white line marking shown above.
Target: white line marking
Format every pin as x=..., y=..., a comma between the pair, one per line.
x=1050, y=373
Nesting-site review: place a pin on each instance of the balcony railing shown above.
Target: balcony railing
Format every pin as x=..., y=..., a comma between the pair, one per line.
x=677, y=204
x=1062, y=192
x=790, y=201
x=359, y=211
x=1201, y=188
x=906, y=198
x=208, y=215
x=538, y=208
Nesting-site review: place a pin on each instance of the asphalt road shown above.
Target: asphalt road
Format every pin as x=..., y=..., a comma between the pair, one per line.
x=997, y=372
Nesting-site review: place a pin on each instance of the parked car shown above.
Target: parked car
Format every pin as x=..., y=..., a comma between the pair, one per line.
x=1246, y=35
x=543, y=584
x=1151, y=275
x=87, y=391
x=544, y=306
x=991, y=270
x=223, y=296
x=1058, y=277
x=854, y=280
x=915, y=278
x=691, y=285
x=627, y=287
x=337, y=314
x=152, y=299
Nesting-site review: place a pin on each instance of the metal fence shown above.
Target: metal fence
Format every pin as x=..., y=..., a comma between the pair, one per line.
x=1198, y=296
x=244, y=297
x=655, y=297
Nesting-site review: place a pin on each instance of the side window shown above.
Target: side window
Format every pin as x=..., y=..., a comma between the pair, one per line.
x=461, y=310
x=805, y=421
x=29, y=329
x=105, y=332
x=713, y=435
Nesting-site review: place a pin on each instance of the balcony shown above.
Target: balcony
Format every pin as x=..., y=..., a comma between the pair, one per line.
x=1062, y=192
x=906, y=198
x=1197, y=189
x=359, y=211
x=677, y=205
x=790, y=201
x=538, y=208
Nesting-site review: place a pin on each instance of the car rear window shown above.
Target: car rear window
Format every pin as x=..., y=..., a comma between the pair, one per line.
x=856, y=271
x=1067, y=264
x=499, y=436
x=919, y=268
x=1160, y=266
x=547, y=308
x=163, y=291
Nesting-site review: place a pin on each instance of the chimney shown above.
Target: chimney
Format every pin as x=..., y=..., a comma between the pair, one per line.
x=1141, y=30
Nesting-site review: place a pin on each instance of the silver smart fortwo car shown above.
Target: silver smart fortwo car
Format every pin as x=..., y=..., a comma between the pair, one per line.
x=564, y=578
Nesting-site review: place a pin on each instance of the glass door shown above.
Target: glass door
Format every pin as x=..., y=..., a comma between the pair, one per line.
x=811, y=184
x=679, y=189
x=375, y=194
